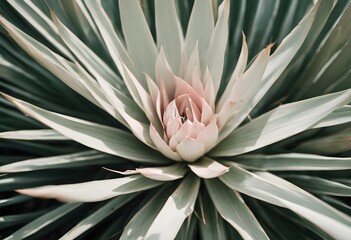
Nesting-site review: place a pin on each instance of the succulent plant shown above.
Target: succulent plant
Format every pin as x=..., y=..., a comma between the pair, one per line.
x=175, y=119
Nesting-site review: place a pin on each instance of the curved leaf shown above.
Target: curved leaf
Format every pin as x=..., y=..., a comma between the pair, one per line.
x=337, y=142
x=167, y=173
x=292, y=162
x=93, y=191
x=208, y=168
x=278, y=61
x=114, y=44
x=40, y=22
x=319, y=185
x=41, y=134
x=98, y=216
x=217, y=46
x=79, y=159
x=234, y=210
x=199, y=29
x=169, y=33
x=43, y=221
x=140, y=44
x=338, y=116
x=142, y=220
x=280, y=123
x=179, y=205
x=100, y=137
x=274, y=190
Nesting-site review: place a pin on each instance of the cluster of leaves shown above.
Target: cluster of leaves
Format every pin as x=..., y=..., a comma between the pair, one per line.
x=294, y=183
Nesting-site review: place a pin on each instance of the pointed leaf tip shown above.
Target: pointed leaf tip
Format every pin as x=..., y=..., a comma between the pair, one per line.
x=208, y=168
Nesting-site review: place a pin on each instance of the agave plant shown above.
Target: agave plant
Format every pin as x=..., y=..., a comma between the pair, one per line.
x=165, y=120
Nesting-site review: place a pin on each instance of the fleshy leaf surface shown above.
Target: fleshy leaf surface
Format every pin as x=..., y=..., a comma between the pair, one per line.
x=179, y=205
x=280, y=123
x=275, y=190
x=93, y=191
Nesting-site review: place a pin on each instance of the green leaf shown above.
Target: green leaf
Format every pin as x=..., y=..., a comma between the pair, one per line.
x=283, y=86
x=99, y=215
x=12, y=181
x=6, y=159
x=330, y=75
x=280, y=59
x=95, y=65
x=41, y=134
x=274, y=190
x=199, y=29
x=102, y=189
x=10, y=71
x=275, y=224
x=233, y=209
x=142, y=220
x=43, y=221
x=79, y=20
x=16, y=59
x=188, y=229
x=280, y=123
x=125, y=109
x=114, y=44
x=139, y=94
x=338, y=204
x=131, y=115
x=139, y=41
x=332, y=144
x=167, y=173
x=319, y=185
x=94, y=88
x=18, y=219
x=320, y=68
x=13, y=200
x=40, y=22
x=50, y=60
x=296, y=225
x=169, y=32
x=93, y=191
x=79, y=159
x=244, y=88
x=238, y=71
x=211, y=225
x=100, y=137
x=115, y=228
x=339, y=116
x=215, y=53
x=208, y=168
x=259, y=30
x=292, y=162
x=179, y=205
